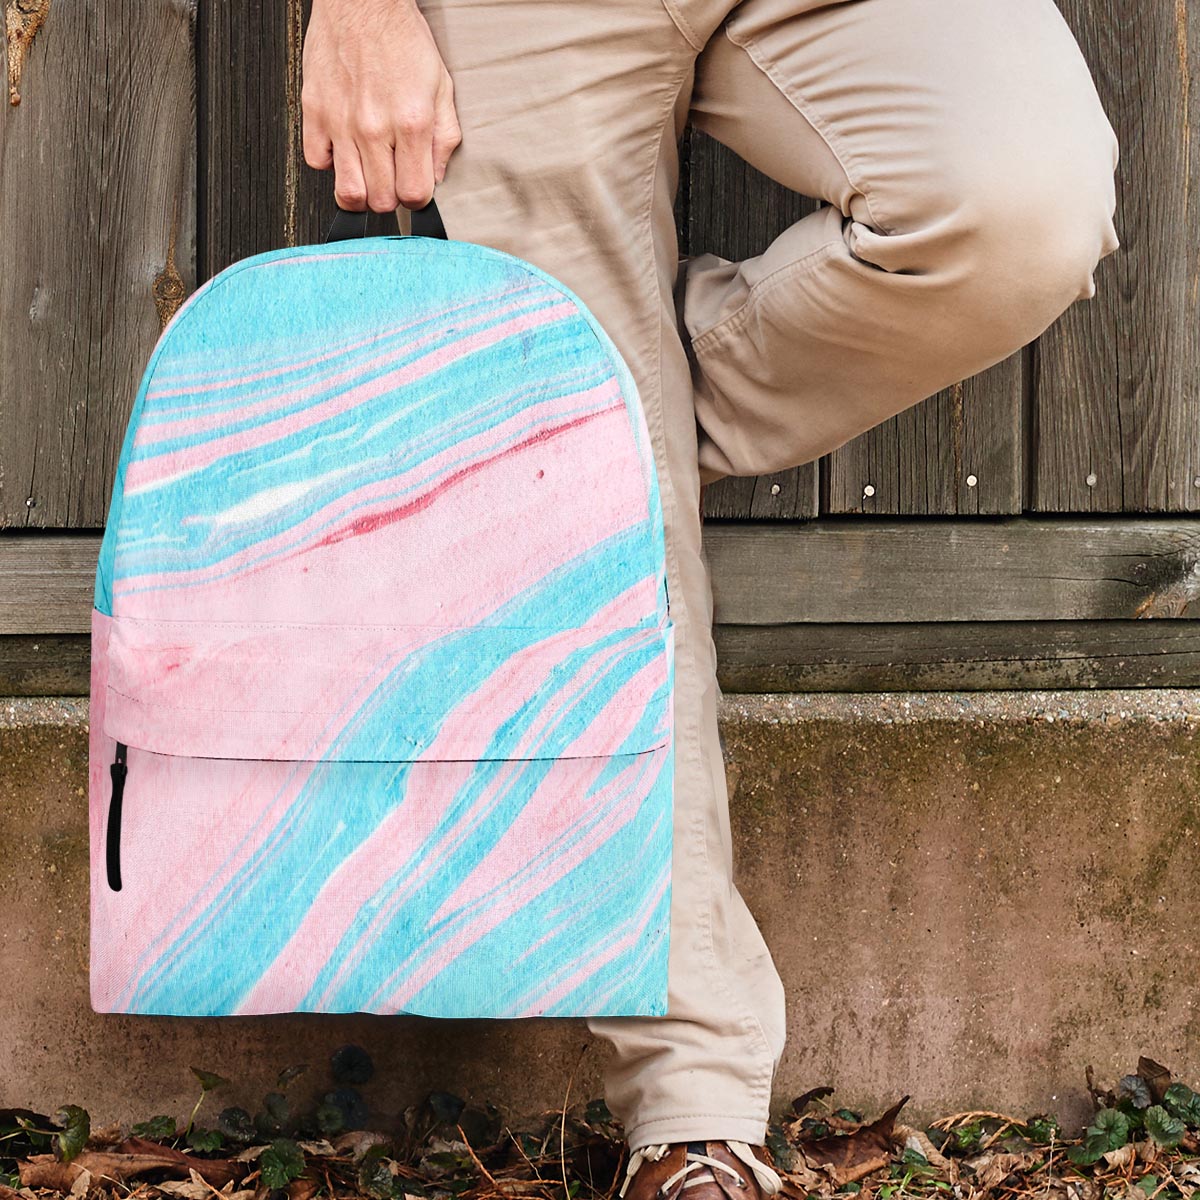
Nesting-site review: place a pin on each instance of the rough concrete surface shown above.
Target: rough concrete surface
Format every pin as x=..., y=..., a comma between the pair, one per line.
x=970, y=896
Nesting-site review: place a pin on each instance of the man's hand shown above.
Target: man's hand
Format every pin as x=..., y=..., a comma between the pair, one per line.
x=378, y=103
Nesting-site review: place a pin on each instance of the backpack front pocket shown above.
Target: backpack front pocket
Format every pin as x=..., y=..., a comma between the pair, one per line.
x=452, y=822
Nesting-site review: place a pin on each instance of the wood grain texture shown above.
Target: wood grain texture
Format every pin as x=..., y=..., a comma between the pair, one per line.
x=956, y=656
x=998, y=569
x=257, y=193
x=815, y=657
x=97, y=232
x=1117, y=399
x=956, y=453
x=47, y=582
x=45, y=665
x=840, y=571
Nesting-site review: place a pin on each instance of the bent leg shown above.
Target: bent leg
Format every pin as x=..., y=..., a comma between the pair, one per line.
x=968, y=168
x=570, y=111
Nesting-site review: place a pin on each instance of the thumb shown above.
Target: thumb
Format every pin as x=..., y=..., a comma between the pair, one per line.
x=447, y=133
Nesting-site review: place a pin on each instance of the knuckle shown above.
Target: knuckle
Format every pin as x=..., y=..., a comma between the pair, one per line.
x=373, y=128
x=350, y=195
x=414, y=120
x=383, y=203
x=412, y=197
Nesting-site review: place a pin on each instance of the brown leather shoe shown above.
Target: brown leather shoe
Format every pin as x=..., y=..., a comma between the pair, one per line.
x=700, y=1171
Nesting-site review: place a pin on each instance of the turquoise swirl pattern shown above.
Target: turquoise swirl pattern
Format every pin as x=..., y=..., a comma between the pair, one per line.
x=381, y=622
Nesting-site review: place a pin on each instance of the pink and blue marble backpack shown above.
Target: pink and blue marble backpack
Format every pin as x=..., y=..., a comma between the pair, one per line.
x=382, y=661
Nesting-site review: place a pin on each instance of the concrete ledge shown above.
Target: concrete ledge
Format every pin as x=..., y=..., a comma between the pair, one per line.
x=970, y=896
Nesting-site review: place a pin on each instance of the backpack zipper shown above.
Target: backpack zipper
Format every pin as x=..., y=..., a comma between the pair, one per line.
x=112, y=841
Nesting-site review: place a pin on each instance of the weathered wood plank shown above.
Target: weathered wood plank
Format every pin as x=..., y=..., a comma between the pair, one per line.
x=958, y=452
x=1118, y=380
x=957, y=656
x=47, y=582
x=257, y=192
x=1007, y=569
x=97, y=226
x=812, y=657
x=45, y=665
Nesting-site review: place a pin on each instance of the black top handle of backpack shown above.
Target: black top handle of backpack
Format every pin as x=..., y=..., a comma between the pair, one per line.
x=426, y=222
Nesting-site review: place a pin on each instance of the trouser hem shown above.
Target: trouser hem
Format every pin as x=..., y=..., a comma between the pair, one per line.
x=698, y=1127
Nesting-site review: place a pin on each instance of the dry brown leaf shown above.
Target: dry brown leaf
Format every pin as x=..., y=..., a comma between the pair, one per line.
x=848, y=1157
x=992, y=1167
x=302, y=1188
x=320, y=1148
x=520, y=1187
x=1123, y=1156
x=918, y=1139
x=217, y=1171
x=189, y=1189
x=45, y=1171
x=1157, y=1077
x=356, y=1142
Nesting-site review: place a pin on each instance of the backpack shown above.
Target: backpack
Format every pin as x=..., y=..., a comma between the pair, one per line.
x=382, y=659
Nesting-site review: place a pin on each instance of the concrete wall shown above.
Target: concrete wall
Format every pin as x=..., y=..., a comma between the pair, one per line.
x=970, y=896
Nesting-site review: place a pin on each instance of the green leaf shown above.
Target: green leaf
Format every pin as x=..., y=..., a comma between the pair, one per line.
x=1180, y=1101
x=281, y=1162
x=236, y=1125
x=205, y=1140
x=967, y=1137
x=1165, y=1129
x=1136, y=1088
x=375, y=1173
x=1043, y=1129
x=352, y=1064
x=330, y=1118
x=1148, y=1183
x=1086, y=1152
x=1111, y=1126
x=157, y=1129
x=76, y=1126
x=209, y=1080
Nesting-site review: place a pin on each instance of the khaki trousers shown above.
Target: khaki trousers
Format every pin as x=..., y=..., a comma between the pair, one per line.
x=968, y=170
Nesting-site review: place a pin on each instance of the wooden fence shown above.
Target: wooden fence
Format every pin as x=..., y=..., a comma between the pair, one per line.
x=1014, y=530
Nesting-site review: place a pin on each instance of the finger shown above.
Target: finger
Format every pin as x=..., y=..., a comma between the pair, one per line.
x=318, y=149
x=379, y=173
x=414, y=164
x=447, y=133
x=349, y=187
x=447, y=136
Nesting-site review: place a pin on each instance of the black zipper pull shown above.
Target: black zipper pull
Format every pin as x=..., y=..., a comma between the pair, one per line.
x=112, y=840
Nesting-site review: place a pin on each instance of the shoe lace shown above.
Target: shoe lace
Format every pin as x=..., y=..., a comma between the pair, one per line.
x=768, y=1179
